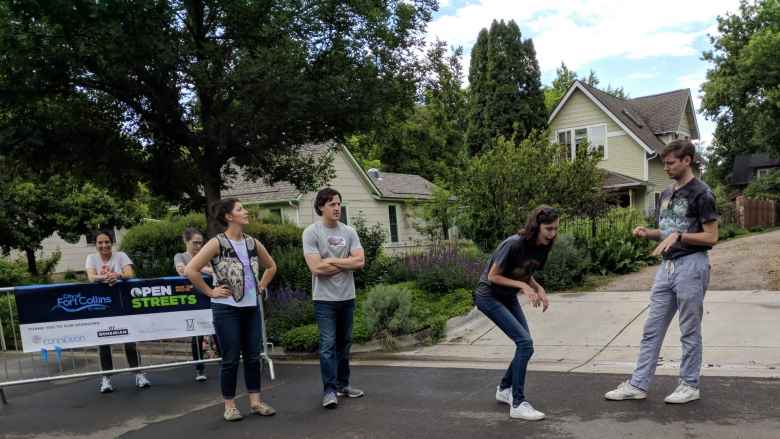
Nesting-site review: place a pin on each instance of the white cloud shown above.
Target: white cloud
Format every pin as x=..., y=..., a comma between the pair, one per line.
x=579, y=32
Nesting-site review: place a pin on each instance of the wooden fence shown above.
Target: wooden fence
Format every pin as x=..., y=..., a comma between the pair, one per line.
x=756, y=213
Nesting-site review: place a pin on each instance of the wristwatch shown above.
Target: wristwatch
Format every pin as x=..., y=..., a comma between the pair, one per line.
x=679, y=236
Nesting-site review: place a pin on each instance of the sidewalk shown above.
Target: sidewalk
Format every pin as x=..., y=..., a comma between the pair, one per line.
x=600, y=333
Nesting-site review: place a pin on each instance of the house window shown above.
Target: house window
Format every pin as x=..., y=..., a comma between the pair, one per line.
x=657, y=201
x=564, y=139
x=393, y=221
x=595, y=135
x=597, y=138
x=343, y=218
x=276, y=213
x=763, y=172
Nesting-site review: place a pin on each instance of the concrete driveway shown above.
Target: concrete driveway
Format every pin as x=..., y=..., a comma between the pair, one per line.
x=600, y=333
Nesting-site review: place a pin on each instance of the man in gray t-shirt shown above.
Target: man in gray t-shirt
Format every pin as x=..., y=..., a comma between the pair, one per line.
x=333, y=252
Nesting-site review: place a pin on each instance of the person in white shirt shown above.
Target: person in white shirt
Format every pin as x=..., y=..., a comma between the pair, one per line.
x=110, y=267
x=239, y=285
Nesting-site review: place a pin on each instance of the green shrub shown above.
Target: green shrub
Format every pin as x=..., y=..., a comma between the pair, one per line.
x=728, y=231
x=12, y=273
x=291, y=269
x=619, y=254
x=302, y=339
x=152, y=245
x=566, y=265
x=371, y=238
x=276, y=236
x=8, y=301
x=440, y=269
x=609, y=240
x=457, y=303
x=387, y=310
x=285, y=309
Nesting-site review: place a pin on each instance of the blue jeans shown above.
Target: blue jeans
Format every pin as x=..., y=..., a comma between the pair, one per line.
x=238, y=334
x=506, y=313
x=679, y=287
x=334, y=319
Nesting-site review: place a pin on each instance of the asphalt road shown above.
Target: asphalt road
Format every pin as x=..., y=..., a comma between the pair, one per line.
x=401, y=402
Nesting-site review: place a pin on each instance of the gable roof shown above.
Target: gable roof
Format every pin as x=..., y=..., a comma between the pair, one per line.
x=616, y=180
x=744, y=164
x=403, y=186
x=643, y=118
x=389, y=185
x=664, y=111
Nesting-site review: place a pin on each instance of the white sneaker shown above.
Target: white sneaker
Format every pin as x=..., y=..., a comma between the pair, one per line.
x=504, y=396
x=200, y=377
x=682, y=394
x=525, y=411
x=625, y=391
x=105, y=385
x=141, y=382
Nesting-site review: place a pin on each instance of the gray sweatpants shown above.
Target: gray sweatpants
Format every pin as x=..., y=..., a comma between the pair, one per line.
x=679, y=285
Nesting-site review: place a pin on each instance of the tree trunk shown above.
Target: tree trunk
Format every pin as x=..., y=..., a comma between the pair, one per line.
x=32, y=266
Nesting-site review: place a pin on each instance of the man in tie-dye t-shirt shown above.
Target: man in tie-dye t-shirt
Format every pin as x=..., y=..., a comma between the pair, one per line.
x=687, y=229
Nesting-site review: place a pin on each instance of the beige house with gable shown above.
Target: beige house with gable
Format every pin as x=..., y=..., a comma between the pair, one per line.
x=379, y=197
x=631, y=133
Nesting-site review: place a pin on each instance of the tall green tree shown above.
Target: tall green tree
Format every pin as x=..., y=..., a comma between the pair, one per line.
x=427, y=139
x=742, y=90
x=505, y=89
x=204, y=88
x=502, y=185
x=32, y=209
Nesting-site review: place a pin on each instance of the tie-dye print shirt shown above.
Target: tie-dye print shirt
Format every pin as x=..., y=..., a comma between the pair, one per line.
x=686, y=210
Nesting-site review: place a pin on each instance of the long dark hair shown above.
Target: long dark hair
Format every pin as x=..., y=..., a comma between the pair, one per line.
x=543, y=214
x=223, y=207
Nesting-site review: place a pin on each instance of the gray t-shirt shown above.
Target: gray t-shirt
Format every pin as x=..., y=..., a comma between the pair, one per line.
x=115, y=264
x=332, y=242
x=181, y=259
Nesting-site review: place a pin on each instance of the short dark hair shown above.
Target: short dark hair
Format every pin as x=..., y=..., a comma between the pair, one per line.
x=189, y=233
x=223, y=207
x=543, y=214
x=680, y=148
x=323, y=197
x=107, y=232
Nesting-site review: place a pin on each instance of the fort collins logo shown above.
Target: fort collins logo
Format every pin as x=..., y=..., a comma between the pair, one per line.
x=161, y=296
x=113, y=331
x=72, y=303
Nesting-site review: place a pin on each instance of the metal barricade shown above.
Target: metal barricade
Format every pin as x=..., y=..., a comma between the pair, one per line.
x=19, y=368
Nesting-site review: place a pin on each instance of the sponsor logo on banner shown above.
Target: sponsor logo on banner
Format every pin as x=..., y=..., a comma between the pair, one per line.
x=160, y=296
x=113, y=332
x=190, y=324
x=37, y=339
x=61, y=340
x=73, y=303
